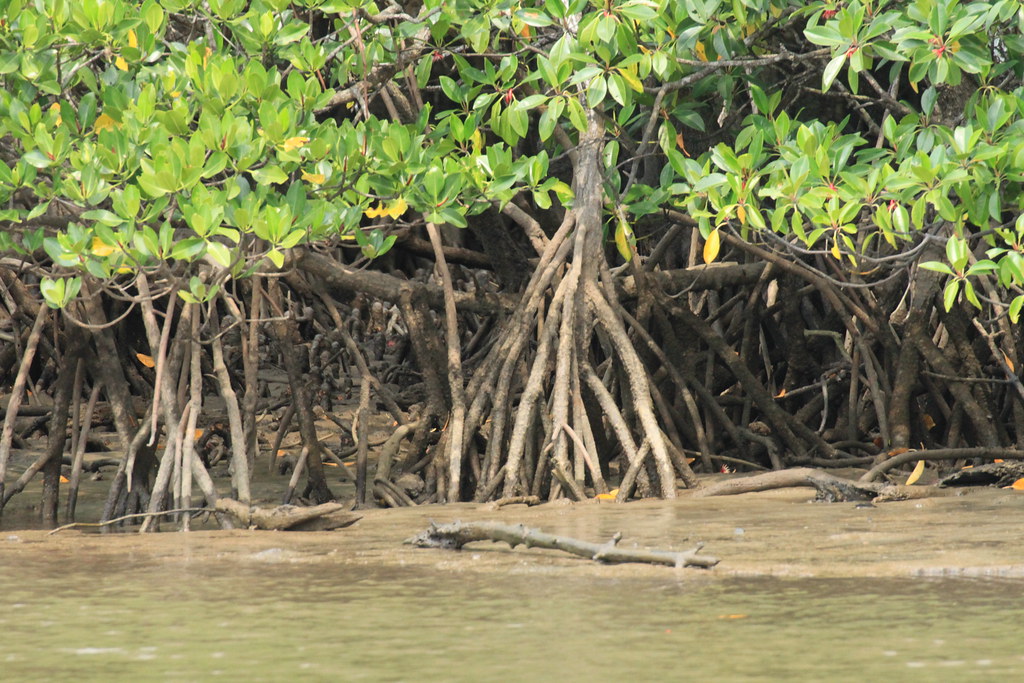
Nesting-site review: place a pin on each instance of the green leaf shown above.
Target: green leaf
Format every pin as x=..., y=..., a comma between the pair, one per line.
x=37, y=158
x=831, y=71
x=276, y=257
x=823, y=35
x=1015, y=307
x=596, y=91
x=269, y=175
x=938, y=267
x=950, y=293
x=577, y=116
x=956, y=253
x=103, y=216
x=220, y=253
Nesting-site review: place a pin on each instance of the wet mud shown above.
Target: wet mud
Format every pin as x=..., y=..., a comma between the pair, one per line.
x=775, y=533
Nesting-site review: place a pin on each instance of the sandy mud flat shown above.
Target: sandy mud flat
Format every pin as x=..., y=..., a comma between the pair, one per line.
x=775, y=533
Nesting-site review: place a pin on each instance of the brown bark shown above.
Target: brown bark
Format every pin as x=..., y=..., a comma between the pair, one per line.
x=389, y=288
x=286, y=334
x=455, y=536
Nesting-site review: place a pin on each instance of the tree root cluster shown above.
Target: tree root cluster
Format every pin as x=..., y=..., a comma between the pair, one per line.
x=573, y=382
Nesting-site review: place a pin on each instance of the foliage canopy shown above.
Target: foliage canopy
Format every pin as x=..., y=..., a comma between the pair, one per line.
x=251, y=127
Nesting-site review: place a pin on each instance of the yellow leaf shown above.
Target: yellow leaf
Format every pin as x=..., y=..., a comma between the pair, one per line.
x=63, y=479
x=835, y=252
x=103, y=121
x=712, y=246
x=928, y=421
x=477, y=138
x=198, y=434
x=1009, y=363
x=781, y=393
x=631, y=79
x=133, y=40
x=916, y=474
x=998, y=460
x=294, y=143
x=733, y=616
x=607, y=496
x=375, y=212
x=623, y=233
x=315, y=178
x=120, y=63
x=741, y=213
x=397, y=208
x=101, y=248
x=146, y=360
x=1018, y=485
x=913, y=86
x=702, y=53
x=175, y=93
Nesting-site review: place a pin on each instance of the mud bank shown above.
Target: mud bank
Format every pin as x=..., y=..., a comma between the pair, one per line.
x=775, y=533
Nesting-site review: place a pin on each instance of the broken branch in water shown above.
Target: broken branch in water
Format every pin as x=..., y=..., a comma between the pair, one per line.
x=457, y=534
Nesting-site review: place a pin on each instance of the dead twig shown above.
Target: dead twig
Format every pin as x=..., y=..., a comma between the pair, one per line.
x=122, y=518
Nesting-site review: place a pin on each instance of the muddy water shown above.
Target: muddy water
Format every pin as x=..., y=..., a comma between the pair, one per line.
x=803, y=592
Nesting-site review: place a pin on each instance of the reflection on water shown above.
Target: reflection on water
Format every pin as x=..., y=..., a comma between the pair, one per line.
x=271, y=621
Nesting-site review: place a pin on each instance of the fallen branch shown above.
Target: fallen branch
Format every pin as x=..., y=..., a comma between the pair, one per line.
x=830, y=488
x=993, y=474
x=514, y=500
x=457, y=534
x=941, y=454
x=289, y=517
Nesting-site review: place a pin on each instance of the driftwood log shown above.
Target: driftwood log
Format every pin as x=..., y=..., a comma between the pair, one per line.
x=992, y=474
x=829, y=488
x=457, y=534
x=289, y=517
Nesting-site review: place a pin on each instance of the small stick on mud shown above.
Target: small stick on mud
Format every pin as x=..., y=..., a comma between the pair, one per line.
x=122, y=518
x=457, y=534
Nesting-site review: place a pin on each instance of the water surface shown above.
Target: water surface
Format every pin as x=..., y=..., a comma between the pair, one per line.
x=272, y=620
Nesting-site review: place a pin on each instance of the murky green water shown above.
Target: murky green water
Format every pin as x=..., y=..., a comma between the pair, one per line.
x=133, y=619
